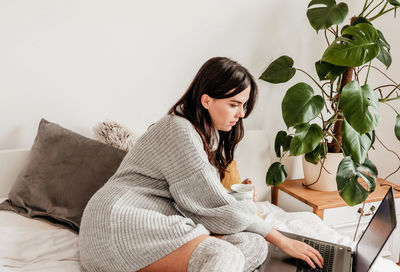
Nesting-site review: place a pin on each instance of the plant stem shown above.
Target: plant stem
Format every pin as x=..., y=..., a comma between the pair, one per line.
x=374, y=8
x=322, y=118
x=393, y=153
x=391, y=107
x=396, y=87
x=384, y=7
x=380, y=14
x=329, y=123
x=312, y=79
x=383, y=86
x=323, y=96
x=333, y=119
x=326, y=38
x=389, y=99
x=283, y=155
x=335, y=147
x=380, y=92
x=331, y=30
x=380, y=72
x=368, y=6
x=364, y=8
x=334, y=138
x=356, y=72
x=366, y=78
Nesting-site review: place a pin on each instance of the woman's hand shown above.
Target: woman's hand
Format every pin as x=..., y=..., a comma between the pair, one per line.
x=255, y=193
x=296, y=248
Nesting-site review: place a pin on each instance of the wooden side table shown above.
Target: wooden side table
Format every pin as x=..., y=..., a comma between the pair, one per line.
x=329, y=206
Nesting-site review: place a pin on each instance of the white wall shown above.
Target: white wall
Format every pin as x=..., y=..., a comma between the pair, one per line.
x=80, y=62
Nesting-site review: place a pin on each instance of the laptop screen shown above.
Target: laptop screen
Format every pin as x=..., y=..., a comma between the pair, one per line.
x=376, y=234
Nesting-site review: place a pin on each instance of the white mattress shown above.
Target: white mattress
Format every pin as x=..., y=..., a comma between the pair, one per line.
x=35, y=246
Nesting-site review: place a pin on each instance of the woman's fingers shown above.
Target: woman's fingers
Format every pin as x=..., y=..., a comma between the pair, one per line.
x=255, y=193
x=317, y=258
x=307, y=260
x=311, y=256
x=247, y=181
x=296, y=249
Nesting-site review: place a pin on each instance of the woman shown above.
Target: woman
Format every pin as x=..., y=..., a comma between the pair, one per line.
x=159, y=210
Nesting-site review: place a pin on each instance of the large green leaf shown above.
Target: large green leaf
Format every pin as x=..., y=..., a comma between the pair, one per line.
x=282, y=140
x=347, y=180
x=300, y=106
x=384, y=50
x=357, y=45
x=306, y=139
x=316, y=155
x=327, y=15
x=397, y=127
x=276, y=174
x=360, y=106
x=280, y=70
x=355, y=144
x=328, y=71
x=384, y=47
x=394, y=3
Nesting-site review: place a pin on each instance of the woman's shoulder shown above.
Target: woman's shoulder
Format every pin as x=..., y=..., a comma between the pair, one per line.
x=170, y=127
x=175, y=122
x=175, y=128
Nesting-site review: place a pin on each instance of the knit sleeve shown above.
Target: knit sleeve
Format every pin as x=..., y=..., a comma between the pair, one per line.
x=195, y=186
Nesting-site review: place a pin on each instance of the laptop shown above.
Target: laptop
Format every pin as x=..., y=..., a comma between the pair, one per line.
x=337, y=257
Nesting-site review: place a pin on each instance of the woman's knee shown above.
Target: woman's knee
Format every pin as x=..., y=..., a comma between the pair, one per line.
x=214, y=254
x=253, y=246
x=178, y=260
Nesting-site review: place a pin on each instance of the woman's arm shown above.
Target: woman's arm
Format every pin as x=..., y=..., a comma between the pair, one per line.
x=194, y=183
x=295, y=248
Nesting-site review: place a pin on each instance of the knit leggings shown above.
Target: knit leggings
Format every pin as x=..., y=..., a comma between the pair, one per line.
x=243, y=251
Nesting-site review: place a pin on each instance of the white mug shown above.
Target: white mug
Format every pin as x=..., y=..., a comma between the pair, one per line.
x=242, y=191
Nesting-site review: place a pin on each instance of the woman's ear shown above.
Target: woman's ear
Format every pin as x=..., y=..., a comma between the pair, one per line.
x=205, y=101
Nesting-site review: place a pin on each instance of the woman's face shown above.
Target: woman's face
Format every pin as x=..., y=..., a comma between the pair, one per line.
x=226, y=112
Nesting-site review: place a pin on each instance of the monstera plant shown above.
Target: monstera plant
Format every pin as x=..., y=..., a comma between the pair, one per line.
x=342, y=113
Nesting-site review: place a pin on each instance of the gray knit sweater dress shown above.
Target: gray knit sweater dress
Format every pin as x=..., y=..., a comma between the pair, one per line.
x=164, y=194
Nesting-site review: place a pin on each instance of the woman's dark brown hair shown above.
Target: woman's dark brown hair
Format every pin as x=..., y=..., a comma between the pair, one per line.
x=216, y=78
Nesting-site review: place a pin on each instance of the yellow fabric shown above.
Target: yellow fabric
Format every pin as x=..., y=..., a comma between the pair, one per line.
x=231, y=176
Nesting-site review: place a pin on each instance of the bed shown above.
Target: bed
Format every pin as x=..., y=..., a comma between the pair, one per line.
x=33, y=245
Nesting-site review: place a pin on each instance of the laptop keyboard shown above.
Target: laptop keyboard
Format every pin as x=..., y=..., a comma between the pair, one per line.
x=327, y=252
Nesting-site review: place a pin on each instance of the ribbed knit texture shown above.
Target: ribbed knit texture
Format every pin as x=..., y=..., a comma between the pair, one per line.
x=164, y=194
x=215, y=255
x=253, y=246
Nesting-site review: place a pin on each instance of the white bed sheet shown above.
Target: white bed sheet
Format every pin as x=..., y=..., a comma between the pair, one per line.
x=28, y=245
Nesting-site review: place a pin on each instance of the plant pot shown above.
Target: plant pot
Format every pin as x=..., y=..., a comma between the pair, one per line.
x=327, y=180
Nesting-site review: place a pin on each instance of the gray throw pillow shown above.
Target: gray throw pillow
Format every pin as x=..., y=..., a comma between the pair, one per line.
x=63, y=171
